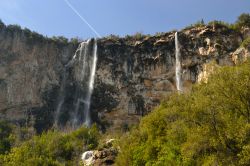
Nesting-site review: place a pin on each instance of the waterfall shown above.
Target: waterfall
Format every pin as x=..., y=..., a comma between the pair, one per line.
x=87, y=60
x=61, y=98
x=84, y=65
x=87, y=120
x=178, y=64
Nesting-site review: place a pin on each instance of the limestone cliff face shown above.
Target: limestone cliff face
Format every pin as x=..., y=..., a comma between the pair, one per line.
x=30, y=68
x=133, y=74
x=142, y=71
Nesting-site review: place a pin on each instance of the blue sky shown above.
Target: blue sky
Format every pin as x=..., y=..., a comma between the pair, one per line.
x=120, y=17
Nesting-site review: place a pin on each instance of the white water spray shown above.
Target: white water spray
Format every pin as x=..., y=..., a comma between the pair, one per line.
x=84, y=64
x=91, y=86
x=88, y=60
x=178, y=64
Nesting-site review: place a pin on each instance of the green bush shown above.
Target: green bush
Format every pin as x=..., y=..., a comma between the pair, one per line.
x=1, y=24
x=200, y=23
x=75, y=41
x=14, y=28
x=243, y=20
x=219, y=23
x=6, y=137
x=208, y=126
x=27, y=32
x=114, y=37
x=33, y=36
x=246, y=43
x=53, y=148
x=60, y=39
x=160, y=33
x=139, y=36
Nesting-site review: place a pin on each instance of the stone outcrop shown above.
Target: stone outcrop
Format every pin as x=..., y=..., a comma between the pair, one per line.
x=133, y=74
x=102, y=157
x=88, y=158
x=99, y=157
x=240, y=55
x=207, y=69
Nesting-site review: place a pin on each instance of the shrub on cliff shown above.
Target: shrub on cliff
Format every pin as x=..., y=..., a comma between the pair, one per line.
x=75, y=41
x=199, y=23
x=1, y=24
x=243, y=20
x=60, y=39
x=14, y=28
x=209, y=126
x=137, y=36
x=33, y=36
x=113, y=37
x=246, y=43
x=219, y=23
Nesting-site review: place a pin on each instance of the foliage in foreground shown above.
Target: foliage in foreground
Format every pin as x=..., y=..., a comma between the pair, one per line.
x=53, y=148
x=209, y=126
x=6, y=137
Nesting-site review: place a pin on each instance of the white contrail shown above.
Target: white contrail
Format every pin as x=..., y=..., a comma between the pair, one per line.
x=82, y=18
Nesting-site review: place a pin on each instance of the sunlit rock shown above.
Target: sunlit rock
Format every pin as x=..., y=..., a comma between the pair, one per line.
x=88, y=158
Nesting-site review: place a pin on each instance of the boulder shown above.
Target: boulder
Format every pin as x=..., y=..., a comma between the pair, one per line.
x=240, y=55
x=88, y=158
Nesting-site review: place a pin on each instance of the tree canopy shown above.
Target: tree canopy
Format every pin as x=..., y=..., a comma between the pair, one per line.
x=208, y=126
x=244, y=20
x=52, y=148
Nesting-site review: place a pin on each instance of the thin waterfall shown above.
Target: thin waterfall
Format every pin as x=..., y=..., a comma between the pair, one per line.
x=61, y=98
x=91, y=86
x=178, y=64
x=81, y=74
x=87, y=60
x=84, y=66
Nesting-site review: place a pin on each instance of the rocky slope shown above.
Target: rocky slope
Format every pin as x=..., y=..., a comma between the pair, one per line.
x=132, y=75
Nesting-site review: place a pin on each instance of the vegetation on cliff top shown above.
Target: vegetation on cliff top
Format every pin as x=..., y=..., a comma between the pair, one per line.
x=242, y=21
x=208, y=126
x=33, y=36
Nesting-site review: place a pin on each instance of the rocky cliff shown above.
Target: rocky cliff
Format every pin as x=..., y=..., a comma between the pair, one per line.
x=133, y=73
x=30, y=75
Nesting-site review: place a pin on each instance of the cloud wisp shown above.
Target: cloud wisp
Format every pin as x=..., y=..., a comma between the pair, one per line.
x=82, y=18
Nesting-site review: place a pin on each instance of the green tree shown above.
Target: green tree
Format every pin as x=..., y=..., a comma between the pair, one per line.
x=243, y=20
x=53, y=148
x=208, y=126
x=1, y=24
x=6, y=137
x=246, y=43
